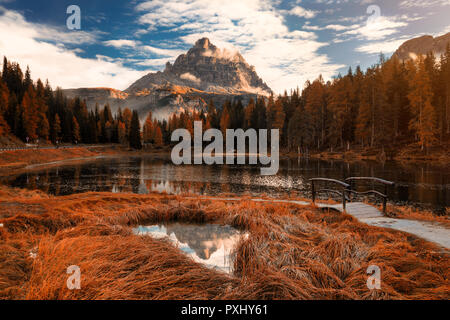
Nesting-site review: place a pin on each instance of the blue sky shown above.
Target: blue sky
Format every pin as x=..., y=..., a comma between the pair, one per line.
x=288, y=42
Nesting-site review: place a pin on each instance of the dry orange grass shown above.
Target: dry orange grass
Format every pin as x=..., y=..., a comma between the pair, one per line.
x=292, y=252
x=405, y=212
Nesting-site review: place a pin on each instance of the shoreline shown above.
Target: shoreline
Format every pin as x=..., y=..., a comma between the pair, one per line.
x=16, y=160
x=408, y=154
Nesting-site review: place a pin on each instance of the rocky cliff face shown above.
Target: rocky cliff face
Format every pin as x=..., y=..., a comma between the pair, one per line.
x=204, y=73
x=411, y=49
x=207, y=68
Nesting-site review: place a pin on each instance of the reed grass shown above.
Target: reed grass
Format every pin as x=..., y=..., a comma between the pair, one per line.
x=292, y=252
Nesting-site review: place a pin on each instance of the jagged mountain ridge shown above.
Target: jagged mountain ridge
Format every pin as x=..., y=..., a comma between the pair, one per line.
x=411, y=49
x=204, y=73
x=207, y=68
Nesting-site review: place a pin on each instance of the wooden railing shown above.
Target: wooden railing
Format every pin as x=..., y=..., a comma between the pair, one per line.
x=385, y=183
x=348, y=190
x=342, y=193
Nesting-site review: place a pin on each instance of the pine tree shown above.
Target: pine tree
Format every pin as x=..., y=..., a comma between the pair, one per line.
x=397, y=114
x=316, y=108
x=213, y=115
x=5, y=69
x=363, y=128
x=373, y=104
x=148, y=129
x=27, y=82
x=135, y=131
x=4, y=106
x=56, y=129
x=75, y=130
x=127, y=115
x=420, y=98
x=237, y=115
x=4, y=128
x=278, y=117
x=158, y=136
x=250, y=115
x=225, y=119
x=339, y=104
x=29, y=115
x=43, y=128
x=122, y=132
x=261, y=120
x=4, y=97
x=444, y=80
x=270, y=112
x=109, y=129
x=427, y=131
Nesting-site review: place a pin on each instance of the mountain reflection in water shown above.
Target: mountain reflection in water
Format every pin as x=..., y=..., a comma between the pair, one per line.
x=419, y=183
x=209, y=244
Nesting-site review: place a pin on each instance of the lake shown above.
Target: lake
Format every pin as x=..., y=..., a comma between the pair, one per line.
x=417, y=184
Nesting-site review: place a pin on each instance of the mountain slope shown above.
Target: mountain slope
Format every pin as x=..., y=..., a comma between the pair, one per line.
x=422, y=45
x=204, y=73
x=207, y=68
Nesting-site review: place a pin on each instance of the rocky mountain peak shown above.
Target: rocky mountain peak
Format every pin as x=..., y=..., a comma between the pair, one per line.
x=207, y=68
x=203, y=43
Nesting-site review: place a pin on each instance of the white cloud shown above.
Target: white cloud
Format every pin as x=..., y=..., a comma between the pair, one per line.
x=31, y=44
x=190, y=77
x=154, y=64
x=423, y=3
x=378, y=28
x=302, y=12
x=162, y=52
x=339, y=27
x=386, y=47
x=121, y=43
x=283, y=58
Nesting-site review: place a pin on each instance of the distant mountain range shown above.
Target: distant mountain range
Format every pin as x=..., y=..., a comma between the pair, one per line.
x=204, y=73
x=411, y=49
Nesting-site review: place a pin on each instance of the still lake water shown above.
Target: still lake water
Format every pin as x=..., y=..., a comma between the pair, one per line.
x=424, y=184
x=209, y=244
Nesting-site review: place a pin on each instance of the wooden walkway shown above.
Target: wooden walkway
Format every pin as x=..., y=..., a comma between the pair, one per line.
x=370, y=215
x=357, y=209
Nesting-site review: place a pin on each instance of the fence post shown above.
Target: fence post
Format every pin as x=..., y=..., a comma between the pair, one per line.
x=343, y=199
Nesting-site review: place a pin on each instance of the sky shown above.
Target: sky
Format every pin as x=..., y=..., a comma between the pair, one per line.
x=288, y=42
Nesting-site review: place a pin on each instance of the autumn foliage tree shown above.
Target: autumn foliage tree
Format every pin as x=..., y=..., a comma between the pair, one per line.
x=158, y=136
x=420, y=97
x=148, y=130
